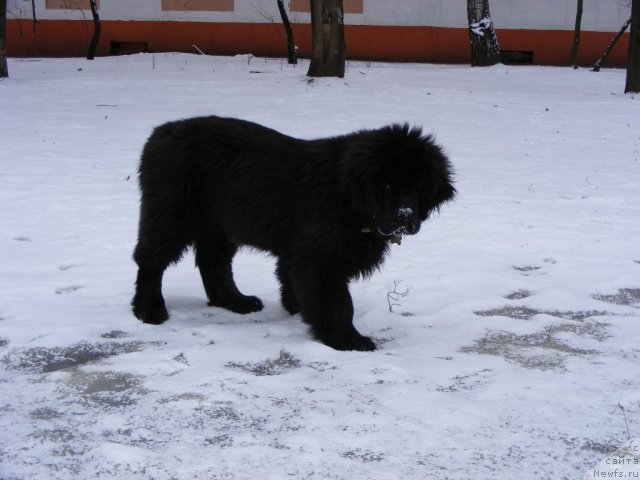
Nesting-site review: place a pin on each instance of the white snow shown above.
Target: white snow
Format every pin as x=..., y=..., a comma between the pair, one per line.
x=515, y=354
x=405, y=212
x=481, y=26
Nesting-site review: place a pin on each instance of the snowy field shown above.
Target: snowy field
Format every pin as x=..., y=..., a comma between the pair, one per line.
x=515, y=354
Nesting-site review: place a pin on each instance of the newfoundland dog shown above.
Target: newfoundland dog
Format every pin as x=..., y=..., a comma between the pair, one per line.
x=327, y=209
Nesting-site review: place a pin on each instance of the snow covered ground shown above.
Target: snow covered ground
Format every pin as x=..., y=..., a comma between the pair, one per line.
x=515, y=354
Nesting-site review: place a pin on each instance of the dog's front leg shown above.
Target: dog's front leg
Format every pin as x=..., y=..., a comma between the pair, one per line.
x=325, y=303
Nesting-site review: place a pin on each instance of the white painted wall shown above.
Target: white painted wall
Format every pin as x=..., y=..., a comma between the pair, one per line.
x=599, y=15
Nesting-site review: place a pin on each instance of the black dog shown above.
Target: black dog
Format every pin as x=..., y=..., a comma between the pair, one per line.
x=327, y=209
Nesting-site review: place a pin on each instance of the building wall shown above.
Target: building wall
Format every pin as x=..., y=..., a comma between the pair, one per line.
x=413, y=30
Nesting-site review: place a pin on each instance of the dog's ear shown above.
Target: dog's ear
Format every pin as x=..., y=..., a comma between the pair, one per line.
x=439, y=188
x=445, y=192
x=434, y=196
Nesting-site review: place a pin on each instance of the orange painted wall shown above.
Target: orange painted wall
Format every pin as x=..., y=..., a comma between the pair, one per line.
x=387, y=43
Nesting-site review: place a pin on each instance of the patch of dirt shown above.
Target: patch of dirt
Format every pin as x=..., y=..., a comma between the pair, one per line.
x=525, y=313
x=277, y=366
x=625, y=296
x=466, y=382
x=541, y=350
x=517, y=312
x=601, y=448
x=221, y=441
x=187, y=396
x=518, y=294
x=595, y=330
x=526, y=268
x=115, y=334
x=364, y=456
x=45, y=413
x=70, y=289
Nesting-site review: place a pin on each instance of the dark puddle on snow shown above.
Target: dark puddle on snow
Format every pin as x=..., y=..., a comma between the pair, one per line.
x=47, y=360
x=107, y=389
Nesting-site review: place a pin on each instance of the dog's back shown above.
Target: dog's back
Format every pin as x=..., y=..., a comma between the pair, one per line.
x=235, y=176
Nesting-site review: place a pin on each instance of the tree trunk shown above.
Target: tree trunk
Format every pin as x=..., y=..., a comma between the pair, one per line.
x=576, y=36
x=33, y=14
x=600, y=63
x=4, y=69
x=485, y=49
x=327, y=34
x=91, y=54
x=633, y=60
x=291, y=46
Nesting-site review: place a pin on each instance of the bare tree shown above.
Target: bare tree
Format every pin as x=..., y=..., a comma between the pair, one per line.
x=33, y=13
x=291, y=45
x=483, y=40
x=327, y=35
x=600, y=63
x=91, y=54
x=4, y=69
x=576, y=35
x=633, y=60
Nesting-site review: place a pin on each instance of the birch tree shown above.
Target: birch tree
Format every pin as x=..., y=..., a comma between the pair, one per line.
x=483, y=40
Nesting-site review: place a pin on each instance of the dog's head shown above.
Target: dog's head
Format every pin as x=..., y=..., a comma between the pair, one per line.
x=396, y=177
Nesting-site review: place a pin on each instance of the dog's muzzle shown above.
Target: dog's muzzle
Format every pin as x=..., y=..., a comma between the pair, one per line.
x=404, y=222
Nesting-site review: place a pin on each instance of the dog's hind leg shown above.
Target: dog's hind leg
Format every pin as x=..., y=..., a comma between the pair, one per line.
x=287, y=295
x=214, y=256
x=148, y=302
x=161, y=242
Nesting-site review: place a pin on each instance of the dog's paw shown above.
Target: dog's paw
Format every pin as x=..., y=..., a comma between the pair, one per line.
x=153, y=313
x=242, y=305
x=355, y=342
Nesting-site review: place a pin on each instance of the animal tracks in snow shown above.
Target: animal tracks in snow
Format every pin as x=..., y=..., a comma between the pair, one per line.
x=528, y=270
x=70, y=289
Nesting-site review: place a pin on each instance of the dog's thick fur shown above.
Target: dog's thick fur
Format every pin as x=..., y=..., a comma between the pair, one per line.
x=326, y=209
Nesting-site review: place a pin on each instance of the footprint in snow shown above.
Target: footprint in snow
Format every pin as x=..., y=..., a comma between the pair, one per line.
x=71, y=289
